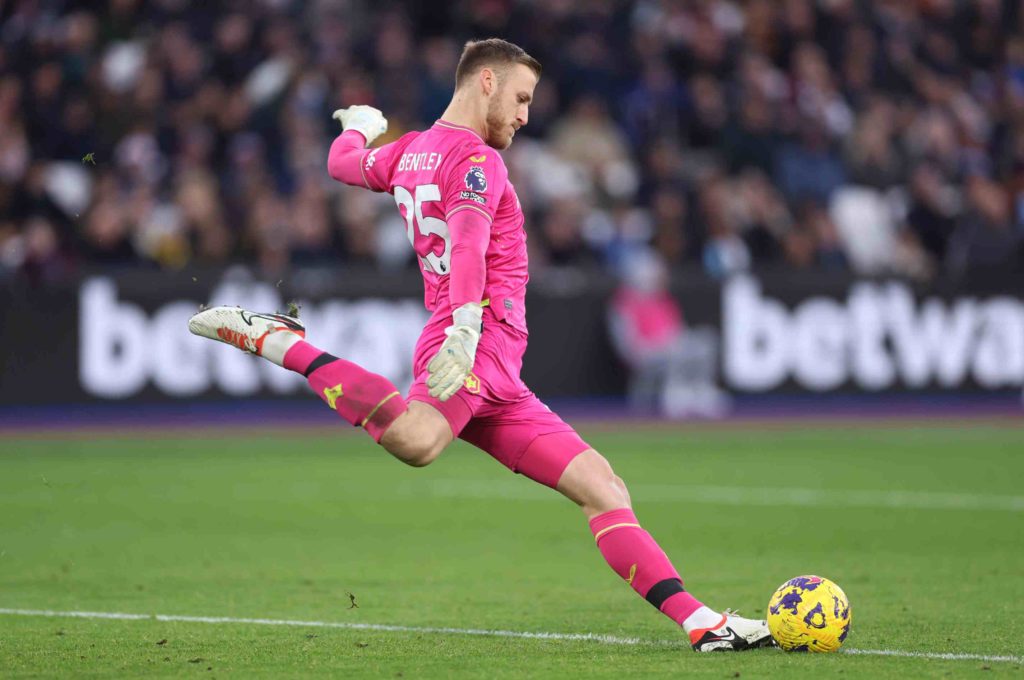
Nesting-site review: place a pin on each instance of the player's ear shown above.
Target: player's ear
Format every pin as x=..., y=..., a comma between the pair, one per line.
x=488, y=80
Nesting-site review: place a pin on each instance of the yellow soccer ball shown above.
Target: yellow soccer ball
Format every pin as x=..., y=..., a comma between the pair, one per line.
x=809, y=614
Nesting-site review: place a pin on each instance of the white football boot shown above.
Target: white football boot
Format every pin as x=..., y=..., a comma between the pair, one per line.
x=732, y=634
x=264, y=334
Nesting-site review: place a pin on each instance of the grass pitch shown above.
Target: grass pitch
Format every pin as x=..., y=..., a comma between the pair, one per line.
x=923, y=527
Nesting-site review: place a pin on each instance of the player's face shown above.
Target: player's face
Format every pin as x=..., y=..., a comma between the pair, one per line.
x=509, y=106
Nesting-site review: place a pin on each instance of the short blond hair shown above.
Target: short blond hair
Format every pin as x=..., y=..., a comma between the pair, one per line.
x=478, y=54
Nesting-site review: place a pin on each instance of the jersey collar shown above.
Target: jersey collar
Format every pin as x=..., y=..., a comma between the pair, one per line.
x=445, y=125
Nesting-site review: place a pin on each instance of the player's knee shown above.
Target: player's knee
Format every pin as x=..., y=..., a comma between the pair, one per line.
x=594, y=485
x=416, y=439
x=420, y=455
x=621, y=490
x=419, y=449
x=608, y=493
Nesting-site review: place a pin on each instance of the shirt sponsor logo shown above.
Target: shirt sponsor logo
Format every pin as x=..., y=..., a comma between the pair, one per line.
x=371, y=158
x=473, y=196
x=476, y=180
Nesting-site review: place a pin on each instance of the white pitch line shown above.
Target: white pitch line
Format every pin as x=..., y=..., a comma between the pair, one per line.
x=942, y=656
x=574, y=637
x=728, y=495
x=589, y=637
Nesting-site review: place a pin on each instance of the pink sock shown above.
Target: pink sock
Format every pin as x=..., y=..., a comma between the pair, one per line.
x=360, y=397
x=634, y=555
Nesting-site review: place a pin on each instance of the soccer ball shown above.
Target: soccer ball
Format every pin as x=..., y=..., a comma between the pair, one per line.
x=809, y=614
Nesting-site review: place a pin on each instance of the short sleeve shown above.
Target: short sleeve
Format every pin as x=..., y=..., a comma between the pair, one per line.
x=474, y=181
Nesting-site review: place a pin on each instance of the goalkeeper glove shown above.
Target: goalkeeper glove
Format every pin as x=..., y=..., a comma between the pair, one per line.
x=450, y=368
x=366, y=119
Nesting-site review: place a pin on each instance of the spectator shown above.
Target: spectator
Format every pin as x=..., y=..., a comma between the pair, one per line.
x=194, y=113
x=750, y=141
x=984, y=239
x=934, y=206
x=765, y=219
x=672, y=367
x=725, y=253
x=589, y=138
x=872, y=153
x=808, y=168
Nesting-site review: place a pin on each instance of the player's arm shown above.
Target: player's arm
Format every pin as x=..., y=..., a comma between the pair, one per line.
x=470, y=233
x=360, y=126
x=471, y=192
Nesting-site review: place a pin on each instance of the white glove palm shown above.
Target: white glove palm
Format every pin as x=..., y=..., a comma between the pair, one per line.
x=366, y=119
x=454, y=361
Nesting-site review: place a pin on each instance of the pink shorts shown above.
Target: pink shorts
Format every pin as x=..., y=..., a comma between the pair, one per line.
x=495, y=411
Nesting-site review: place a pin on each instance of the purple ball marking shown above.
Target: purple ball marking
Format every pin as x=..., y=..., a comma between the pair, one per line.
x=790, y=601
x=805, y=582
x=839, y=611
x=819, y=612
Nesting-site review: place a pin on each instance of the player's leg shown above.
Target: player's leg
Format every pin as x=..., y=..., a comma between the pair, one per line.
x=415, y=432
x=631, y=552
x=418, y=436
x=531, y=440
x=589, y=481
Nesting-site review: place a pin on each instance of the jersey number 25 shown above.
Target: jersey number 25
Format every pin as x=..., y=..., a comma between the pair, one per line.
x=428, y=235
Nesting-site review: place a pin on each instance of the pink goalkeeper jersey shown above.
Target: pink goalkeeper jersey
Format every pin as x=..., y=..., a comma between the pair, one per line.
x=433, y=175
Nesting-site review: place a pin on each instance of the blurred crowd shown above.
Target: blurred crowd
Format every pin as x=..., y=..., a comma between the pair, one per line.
x=872, y=136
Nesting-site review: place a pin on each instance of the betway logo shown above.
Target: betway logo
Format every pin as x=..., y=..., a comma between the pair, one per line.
x=122, y=348
x=878, y=337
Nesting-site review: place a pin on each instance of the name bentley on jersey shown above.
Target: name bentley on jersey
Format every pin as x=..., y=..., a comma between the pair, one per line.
x=434, y=175
x=419, y=161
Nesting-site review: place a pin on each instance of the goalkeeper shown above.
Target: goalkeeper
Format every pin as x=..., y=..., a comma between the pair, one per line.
x=465, y=224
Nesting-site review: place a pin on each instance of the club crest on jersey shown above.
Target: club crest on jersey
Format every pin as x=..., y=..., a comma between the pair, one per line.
x=472, y=384
x=476, y=180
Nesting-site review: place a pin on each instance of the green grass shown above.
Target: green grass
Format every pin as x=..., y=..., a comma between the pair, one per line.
x=285, y=526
